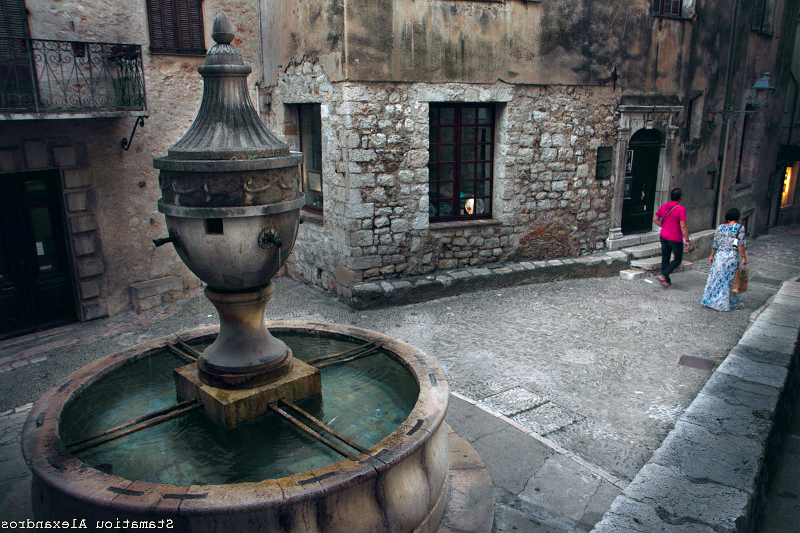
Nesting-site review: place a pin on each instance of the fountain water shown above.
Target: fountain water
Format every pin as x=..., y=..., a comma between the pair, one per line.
x=259, y=439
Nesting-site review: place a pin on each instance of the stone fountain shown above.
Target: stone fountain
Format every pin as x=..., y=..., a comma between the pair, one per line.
x=231, y=198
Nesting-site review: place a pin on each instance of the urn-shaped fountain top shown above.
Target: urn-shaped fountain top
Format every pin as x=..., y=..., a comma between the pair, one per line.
x=227, y=125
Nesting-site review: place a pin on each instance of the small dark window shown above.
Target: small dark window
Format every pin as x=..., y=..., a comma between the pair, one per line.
x=311, y=146
x=667, y=7
x=214, y=226
x=603, y=169
x=711, y=179
x=176, y=27
x=460, y=159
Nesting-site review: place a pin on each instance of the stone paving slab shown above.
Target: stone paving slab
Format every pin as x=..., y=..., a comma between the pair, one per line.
x=546, y=418
x=711, y=469
x=513, y=401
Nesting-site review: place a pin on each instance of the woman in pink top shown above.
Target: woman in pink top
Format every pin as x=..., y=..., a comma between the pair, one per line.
x=674, y=235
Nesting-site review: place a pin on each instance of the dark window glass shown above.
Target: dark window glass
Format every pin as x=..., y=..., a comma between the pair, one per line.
x=603, y=169
x=460, y=161
x=176, y=27
x=311, y=146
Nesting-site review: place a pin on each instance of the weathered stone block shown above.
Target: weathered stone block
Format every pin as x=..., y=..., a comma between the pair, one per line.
x=86, y=268
x=64, y=156
x=10, y=160
x=76, y=201
x=36, y=154
x=82, y=224
x=89, y=289
x=94, y=310
x=84, y=245
x=76, y=177
x=145, y=289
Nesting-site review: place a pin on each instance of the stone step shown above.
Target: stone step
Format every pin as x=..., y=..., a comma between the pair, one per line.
x=701, y=246
x=643, y=251
x=649, y=266
x=654, y=263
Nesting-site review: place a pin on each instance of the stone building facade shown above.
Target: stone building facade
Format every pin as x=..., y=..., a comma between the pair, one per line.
x=102, y=215
x=598, y=110
x=375, y=138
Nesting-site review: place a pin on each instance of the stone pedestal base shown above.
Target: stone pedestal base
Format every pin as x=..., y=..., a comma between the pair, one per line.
x=245, y=354
x=230, y=408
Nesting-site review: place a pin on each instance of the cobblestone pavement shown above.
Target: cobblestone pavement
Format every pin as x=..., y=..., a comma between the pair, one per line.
x=564, y=388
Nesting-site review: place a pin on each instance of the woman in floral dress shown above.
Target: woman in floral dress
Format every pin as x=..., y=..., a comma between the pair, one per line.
x=729, y=244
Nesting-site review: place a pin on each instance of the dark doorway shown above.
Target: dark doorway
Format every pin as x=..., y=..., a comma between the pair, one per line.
x=641, y=174
x=35, y=283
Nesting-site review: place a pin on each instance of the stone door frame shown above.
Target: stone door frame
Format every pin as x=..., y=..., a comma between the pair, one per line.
x=632, y=119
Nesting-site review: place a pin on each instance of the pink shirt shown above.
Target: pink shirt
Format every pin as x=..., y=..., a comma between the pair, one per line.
x=671, y=227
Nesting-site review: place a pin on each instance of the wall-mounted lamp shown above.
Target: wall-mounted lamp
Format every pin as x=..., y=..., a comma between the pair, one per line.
x=761, y=84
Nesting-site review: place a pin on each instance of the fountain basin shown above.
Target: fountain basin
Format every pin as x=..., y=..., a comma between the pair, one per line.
x=399, y=485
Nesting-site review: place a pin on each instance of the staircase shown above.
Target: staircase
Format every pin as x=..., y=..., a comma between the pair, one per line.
x=644, y=253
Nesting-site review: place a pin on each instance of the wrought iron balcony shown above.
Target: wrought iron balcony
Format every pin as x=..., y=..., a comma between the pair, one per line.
x=70, y=78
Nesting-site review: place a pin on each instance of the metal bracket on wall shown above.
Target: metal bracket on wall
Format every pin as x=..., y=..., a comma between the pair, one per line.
x=126, y=143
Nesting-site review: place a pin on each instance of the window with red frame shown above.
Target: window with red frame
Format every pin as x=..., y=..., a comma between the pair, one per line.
x=460, y=161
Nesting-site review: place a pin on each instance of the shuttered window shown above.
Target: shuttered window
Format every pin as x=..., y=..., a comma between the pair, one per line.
x=762, y=16
x=176, y=27
x=13, y=24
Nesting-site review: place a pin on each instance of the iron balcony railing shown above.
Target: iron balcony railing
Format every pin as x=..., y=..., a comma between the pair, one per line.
x=49, y=76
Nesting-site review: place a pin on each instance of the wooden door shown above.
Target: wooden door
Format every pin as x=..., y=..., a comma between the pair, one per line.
x=36, y=290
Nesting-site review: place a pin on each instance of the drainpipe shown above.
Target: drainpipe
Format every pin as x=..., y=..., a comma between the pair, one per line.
x=723, y=136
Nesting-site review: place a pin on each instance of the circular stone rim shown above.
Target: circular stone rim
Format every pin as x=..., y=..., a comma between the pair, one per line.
x=241, y=211
x=53, y=465
x=177, y=164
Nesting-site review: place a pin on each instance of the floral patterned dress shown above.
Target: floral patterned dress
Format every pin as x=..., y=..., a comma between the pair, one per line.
x=718, y=293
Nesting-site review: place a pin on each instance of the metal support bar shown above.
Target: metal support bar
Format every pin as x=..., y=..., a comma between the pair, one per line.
x=143, y=422
x=180, y=353
x=310, y=432
x=371, y=351
x=322, y=425
x=194, y=352
x=126, y=143
x=358, y=351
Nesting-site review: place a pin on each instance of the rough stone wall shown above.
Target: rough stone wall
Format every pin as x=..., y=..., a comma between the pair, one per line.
x=375, y=177
x=114, y=204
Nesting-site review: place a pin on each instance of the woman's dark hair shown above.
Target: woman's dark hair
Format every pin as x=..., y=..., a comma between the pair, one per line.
x=675, y=194
x=732, y=215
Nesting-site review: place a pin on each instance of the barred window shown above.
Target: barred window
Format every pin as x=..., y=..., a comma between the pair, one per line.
x=176, y=27
x=460, y=161
x=667, y=7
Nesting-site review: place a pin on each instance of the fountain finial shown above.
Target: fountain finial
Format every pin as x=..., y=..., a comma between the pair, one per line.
x=222, y=29
x=227, y=125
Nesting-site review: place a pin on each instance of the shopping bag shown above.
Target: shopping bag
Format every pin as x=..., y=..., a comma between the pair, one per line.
x=740, y=280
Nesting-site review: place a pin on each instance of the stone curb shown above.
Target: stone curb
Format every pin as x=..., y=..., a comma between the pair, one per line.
x=452, y=282
x=711, y=472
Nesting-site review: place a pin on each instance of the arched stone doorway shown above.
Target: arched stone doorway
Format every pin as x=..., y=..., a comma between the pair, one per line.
x=647, y=126
x=641, y=176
